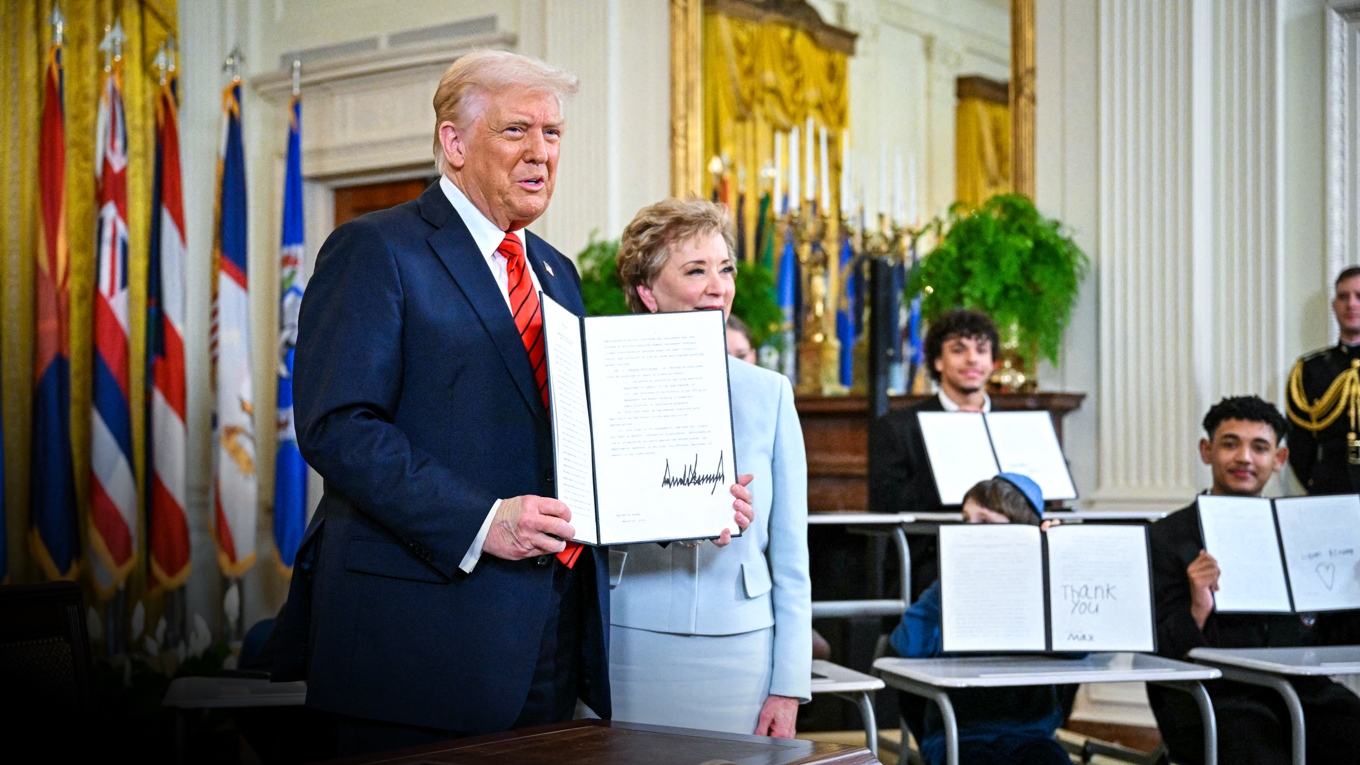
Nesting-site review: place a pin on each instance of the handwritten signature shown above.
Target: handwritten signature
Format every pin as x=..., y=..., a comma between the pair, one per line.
x=690, y=475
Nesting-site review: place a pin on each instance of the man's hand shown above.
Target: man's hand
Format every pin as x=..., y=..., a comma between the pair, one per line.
x=745, y=513
x=528, y=526
x=778, y=717
x=1203, y=573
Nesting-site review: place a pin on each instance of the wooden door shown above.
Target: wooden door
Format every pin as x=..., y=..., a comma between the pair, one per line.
x=353, y=201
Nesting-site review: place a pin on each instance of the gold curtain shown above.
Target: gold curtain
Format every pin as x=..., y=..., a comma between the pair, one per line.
x=24, y=39
x=982, y=150
x=759, y=78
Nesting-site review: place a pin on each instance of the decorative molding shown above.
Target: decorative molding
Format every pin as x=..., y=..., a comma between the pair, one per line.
x=1147, y=404
x=795, y=13
x=1247, y=279
x=982, y=89
x=1342, y=179
x=687, y=105
x=370, y=112
x=339, y=72
x=1022, y=97
x=1191, y=254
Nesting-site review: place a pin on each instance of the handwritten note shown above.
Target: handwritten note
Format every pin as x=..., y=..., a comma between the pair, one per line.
x=1321, y=537
x=1240, y=533
x=1100, y=594
x=992, y=588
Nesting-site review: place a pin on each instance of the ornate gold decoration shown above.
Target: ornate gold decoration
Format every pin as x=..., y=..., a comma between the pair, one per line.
x=687, y=143
x=1022, y=97
x=1343, y=395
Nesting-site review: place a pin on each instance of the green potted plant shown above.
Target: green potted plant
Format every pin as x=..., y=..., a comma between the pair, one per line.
x=1005, y=259
x=602, y=292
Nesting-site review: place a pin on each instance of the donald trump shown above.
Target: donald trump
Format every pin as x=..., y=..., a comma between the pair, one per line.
x=433, y=596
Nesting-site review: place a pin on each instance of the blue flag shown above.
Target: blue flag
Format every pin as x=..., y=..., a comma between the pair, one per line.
x=290, y=472
x=846, y=311
x=787, y=296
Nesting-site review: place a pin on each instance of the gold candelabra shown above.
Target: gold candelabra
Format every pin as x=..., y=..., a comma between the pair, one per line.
x=816, y=240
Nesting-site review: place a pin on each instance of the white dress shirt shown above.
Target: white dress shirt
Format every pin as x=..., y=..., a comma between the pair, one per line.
x=488, y=237
x=950, y=406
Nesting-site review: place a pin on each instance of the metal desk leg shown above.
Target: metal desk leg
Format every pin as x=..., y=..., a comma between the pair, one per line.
x=1206, y=713
x=941, y=699
x=1282, y=687
x=904, y=562
x=865, y=701
x=181, y=736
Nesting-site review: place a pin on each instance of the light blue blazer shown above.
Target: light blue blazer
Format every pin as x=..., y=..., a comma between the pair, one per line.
x=759, y=580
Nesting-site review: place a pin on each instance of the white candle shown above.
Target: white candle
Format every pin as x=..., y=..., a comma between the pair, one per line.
x=826, y=175
x=898, y=201
x=882, y=177
x=776, y=198
x=913, y=209
x=846, y=207
x=809, y=180
x=794, y=159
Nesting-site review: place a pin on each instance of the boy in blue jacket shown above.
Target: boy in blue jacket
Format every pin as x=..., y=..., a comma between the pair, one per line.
x=996, y=725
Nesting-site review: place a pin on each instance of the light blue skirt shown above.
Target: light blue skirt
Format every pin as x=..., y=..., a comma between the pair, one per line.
x=707, y=682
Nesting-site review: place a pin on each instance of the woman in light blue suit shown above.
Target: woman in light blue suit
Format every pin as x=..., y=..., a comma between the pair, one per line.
x=707, y=637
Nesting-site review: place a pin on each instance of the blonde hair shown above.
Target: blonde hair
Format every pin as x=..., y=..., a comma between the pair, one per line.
x=461, y=95
x=655, y=230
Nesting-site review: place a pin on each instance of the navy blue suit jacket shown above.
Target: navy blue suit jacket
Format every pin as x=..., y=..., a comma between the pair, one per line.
x=415, y=402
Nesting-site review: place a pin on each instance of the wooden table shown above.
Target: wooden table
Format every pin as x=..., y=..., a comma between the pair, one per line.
x=836, y=432
x=616, y=743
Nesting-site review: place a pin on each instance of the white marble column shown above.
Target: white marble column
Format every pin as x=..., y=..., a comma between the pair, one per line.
x=1190, y=254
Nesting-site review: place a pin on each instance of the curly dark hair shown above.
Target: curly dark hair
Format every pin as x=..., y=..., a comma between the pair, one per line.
x=1247, y=409
x=960, y=322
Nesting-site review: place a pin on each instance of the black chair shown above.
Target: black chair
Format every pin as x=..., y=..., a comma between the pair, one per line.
x=44, y=664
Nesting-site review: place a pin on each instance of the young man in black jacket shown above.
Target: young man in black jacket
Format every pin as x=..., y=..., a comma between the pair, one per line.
x=960, y=352
x=1243, y=447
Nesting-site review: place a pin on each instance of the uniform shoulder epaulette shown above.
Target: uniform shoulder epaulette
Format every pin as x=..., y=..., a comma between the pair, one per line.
x=1314, y=354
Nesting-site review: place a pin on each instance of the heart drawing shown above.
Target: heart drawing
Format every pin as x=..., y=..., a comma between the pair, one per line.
x=1327, y=573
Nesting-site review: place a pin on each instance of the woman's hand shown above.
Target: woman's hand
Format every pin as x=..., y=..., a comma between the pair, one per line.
x=1046, y=525
x=745, y=513
x=778, y=717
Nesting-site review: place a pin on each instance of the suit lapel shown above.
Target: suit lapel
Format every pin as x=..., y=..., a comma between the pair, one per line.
x=549, y=282
x=458, y=251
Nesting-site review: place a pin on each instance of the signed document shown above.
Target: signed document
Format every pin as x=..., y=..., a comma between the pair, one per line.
x=1276, y=556
x=967, y=447
x=642, y=424
x=1013, y=588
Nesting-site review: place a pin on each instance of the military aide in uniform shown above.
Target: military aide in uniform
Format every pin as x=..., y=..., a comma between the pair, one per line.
x=1324, y=402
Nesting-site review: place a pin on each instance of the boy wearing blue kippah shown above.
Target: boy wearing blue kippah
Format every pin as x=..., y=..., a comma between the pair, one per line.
x=996, y=725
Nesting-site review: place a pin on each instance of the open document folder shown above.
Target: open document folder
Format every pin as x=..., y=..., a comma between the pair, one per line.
x=967, y=447
x=1012, y=587
x=641, y=412
x=1283, y=555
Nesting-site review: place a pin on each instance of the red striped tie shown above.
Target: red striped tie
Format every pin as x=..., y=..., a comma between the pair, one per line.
x=529, y=321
